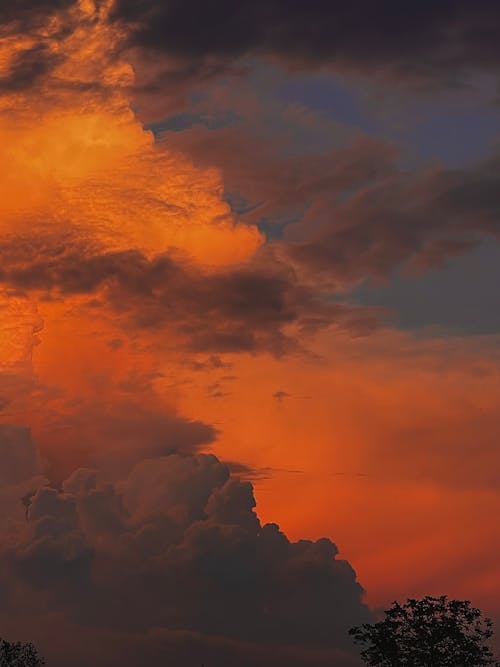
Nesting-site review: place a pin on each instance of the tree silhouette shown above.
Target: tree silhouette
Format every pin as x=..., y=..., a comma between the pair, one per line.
x=17, y=654
x=432, y=632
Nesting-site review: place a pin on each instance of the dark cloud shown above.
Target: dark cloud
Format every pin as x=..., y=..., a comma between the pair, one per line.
x=18, y=455
x=421, y=217
x=30, y=12
x=27, y=67
x=353, y=211
x=253, y=474
x=20, y=474
x=36, y=39
x=245, y=308
x=423, y=42
x=175, y=549
x=211, y=363
x=270, y=176
x=416, y=39
x=31, y=58
x=162, y=646
x=280, y=395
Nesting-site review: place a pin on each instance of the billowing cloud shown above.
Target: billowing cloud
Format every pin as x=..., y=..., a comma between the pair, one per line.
x=118, y=257
x=162, y=300
x=175, y=547
x=93, y=208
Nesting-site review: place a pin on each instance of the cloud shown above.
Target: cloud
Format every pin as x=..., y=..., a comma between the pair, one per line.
x=350, y=211
x=243, y=308
x=116, y=436
x=422, y=217
x=20, y=476
x=164, y=647
x=18, y=454
x=278, y=172
x=28, y=16
x=175, y=549
x=149, y=285
x=280, y=395
x=40, y=40
x=420, y=41
x=27, y=67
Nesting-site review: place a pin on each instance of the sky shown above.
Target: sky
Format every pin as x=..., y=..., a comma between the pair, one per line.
x=249, y=324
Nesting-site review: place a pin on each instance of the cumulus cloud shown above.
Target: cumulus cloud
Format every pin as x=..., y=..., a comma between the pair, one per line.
x=116, y=436
x=174, y=550
x=140, y=547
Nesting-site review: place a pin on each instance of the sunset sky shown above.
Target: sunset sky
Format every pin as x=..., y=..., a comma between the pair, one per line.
x=249, y=323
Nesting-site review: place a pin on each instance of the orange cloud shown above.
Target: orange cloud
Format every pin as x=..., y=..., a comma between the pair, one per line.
x=84, y=174
x=371, y=441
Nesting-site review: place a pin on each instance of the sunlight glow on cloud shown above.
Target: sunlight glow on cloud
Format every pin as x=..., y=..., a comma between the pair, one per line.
x=145, y=325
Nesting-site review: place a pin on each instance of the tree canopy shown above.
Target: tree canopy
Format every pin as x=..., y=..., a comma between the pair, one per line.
x=431, y=632
x=17, y=654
